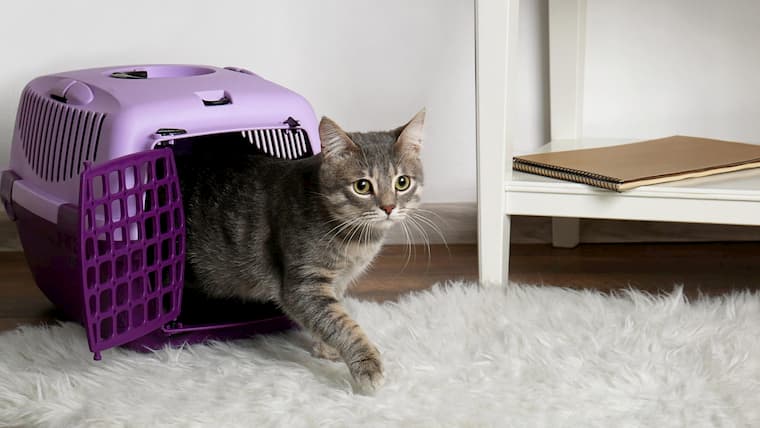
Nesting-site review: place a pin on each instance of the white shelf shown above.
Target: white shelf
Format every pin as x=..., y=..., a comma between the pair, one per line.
x=715, y=199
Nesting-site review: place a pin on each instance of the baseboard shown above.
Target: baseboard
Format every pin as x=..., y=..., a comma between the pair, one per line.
x=8, y=236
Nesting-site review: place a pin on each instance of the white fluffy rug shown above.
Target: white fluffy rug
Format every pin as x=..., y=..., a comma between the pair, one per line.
x=456, y=356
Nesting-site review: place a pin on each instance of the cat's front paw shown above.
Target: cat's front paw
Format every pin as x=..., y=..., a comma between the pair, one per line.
x=368, y=374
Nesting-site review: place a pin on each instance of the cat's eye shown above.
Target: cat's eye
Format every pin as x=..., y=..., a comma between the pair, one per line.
x=403, y=182
x=362, y=187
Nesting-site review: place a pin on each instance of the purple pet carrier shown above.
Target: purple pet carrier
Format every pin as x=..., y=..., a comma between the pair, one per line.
x=94, y=192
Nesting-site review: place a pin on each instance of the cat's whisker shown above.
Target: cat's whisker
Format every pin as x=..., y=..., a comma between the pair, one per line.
x=438, y=216
x=362, y=231
x=342, y=225
x=368, y=233
x=435, y=227
x=350, y=238
x=340, y=228
x=431, y=224
x=408, y=247
x=424, y=236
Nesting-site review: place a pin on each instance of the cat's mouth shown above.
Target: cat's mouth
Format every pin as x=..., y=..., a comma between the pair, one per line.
x=386, y=221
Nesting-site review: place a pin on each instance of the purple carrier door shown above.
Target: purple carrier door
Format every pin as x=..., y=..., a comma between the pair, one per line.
x=132, y=247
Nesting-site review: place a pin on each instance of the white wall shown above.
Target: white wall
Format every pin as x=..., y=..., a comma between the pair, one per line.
x=368, y=64
x=532, y=92
x=656, y=68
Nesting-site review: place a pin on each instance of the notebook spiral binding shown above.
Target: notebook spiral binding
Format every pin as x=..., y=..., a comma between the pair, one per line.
x=568, y=175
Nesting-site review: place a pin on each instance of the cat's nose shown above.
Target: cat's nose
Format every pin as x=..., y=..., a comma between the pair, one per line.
x=387, y=208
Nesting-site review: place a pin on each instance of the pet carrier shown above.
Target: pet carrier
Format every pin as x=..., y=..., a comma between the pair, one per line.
x=94, y=191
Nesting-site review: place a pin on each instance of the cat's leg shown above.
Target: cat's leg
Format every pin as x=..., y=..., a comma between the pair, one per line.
x=325, y=351
x=310, y=301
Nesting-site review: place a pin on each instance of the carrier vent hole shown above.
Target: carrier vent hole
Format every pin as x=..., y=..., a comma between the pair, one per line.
x=150, y=227
x=166, y=276
x=122, y=322
x=114, y=182
x=118, y=235
x=149, y=198
x=160, y=168
x=150, y=255
x=117, y=212
x=100, y=213
x=164, y=222
x=135, y=231
x=152, y=309
x=121, y=266
x=136, y=261
x=122, y=294
x=93, y=302
x=104, y=243
x=138, y=289
x=91, y=277
x=88, y=220
x=162, y=195
x=166, y=249
x=138, y=315
x=152, y=281
x=106, y=328
x=106, y=300
x=89, y=249
x=104, y=271
x=130, y=177
x=178, y=270
x=168, y=302
x=132, y=205
x=178, y=222
x=146, y=174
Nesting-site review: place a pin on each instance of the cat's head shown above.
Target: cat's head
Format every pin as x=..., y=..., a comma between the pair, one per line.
x=373, y=178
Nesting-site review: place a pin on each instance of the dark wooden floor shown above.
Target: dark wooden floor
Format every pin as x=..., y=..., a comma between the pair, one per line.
x=709, y=268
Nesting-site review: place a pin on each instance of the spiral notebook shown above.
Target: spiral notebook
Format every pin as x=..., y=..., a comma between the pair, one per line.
x=626, y=166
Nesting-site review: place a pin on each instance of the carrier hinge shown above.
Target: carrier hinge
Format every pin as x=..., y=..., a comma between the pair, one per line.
x=166, y=132
x=6, y=192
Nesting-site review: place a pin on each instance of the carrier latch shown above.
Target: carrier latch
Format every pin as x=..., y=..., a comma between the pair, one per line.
x=292, y=123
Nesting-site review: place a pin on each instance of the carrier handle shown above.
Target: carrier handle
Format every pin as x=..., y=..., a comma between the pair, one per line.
x=220, y=102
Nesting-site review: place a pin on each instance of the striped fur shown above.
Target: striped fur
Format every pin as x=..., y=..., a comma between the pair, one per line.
x=296, y=232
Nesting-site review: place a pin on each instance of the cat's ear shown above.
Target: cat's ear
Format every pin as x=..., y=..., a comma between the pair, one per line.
x=335, y=141
x=410, y=138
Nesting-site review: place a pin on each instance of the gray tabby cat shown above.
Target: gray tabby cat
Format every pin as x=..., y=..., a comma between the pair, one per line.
x=299, y=232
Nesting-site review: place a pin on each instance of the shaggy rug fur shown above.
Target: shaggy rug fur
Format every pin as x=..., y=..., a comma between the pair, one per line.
x=458, y=355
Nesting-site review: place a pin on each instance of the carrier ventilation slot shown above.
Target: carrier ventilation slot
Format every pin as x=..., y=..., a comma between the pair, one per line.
x=56, y=138
x=282, y=143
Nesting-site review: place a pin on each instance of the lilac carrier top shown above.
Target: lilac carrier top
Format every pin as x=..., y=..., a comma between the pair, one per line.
x=114, y=111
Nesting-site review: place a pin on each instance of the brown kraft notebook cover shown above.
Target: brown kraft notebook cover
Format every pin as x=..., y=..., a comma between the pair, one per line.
x=623, y=167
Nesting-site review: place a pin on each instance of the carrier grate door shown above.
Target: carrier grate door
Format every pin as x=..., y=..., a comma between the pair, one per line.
x=132, y=247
